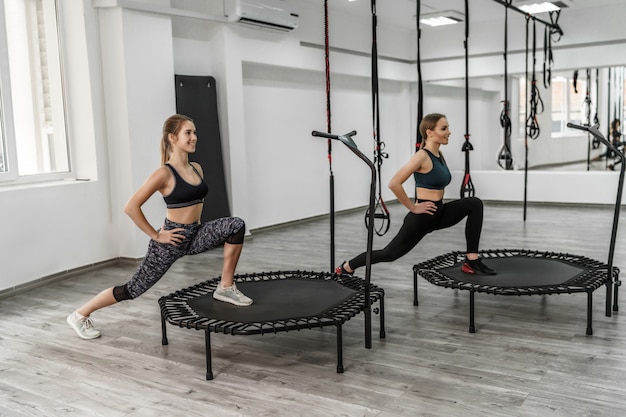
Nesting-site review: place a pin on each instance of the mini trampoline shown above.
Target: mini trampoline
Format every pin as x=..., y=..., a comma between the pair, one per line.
x=283, y=301
x=526, y=272
x=520, y=272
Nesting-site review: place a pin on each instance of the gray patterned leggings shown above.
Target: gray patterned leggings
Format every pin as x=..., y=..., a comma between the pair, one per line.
x=160, y=257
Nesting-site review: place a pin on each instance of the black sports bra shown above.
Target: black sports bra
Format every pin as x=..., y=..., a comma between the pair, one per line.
x=185, y=194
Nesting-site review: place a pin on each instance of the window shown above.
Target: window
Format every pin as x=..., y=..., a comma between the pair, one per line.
x=568, y=103
x=616, y=96
x=33, y=144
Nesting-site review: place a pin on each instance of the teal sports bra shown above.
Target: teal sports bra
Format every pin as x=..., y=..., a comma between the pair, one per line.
x=435, y=179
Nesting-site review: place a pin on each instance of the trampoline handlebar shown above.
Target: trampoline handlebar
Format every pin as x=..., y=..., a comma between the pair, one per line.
x=593, y=130
x=346, y=138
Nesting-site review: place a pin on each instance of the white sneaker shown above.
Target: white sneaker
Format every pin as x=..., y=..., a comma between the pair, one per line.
x=83, y=326
x=231, y=295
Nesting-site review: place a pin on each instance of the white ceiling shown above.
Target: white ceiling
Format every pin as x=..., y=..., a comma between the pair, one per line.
x=402, y=12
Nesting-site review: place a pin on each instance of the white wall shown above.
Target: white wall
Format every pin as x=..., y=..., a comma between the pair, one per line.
x=271, y=94
x=54, y=227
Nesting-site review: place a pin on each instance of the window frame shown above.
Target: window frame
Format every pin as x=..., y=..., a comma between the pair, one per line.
x=6, y=109
x=12, y=176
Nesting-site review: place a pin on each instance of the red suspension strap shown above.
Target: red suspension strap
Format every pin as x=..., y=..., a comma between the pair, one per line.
x=330, y=146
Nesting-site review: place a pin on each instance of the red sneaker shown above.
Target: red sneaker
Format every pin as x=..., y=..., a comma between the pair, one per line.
x=476, y=267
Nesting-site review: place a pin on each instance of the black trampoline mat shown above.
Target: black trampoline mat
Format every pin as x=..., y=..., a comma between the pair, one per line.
x=519, y=272
x=275, y=300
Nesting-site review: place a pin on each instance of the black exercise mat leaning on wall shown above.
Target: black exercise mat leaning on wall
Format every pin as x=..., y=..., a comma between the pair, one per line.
x=196, y=97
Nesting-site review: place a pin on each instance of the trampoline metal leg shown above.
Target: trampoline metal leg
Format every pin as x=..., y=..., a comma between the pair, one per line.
x=339, y=350
x=609, y=297
x=616, y=284
x=415, y=302
x=472, y=328
x=589, y=312
x=368, y=327
x=207, y=343
x=163, y=330
x=381, y=302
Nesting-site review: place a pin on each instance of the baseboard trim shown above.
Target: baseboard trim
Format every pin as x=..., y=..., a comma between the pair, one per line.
x=60, y=276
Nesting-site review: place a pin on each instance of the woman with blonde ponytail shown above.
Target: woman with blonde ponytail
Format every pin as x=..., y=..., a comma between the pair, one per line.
x=182, y=185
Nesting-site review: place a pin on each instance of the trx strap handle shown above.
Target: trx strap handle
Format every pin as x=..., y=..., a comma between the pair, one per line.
x=467, y=187
x=505, y=159
x=532, y=124
x=381, y=213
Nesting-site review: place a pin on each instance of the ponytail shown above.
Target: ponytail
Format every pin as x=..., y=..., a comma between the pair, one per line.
x=172, y=125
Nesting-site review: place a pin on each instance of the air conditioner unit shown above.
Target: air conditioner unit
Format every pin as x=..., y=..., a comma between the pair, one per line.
x=271, y=14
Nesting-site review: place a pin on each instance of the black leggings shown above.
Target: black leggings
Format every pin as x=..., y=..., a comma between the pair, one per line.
x=416, y=226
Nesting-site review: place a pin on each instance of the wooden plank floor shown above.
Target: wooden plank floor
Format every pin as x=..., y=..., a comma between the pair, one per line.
x=529, y=357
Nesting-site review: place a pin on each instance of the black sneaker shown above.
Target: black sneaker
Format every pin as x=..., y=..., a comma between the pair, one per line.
x=476, y=267
x=341, y=271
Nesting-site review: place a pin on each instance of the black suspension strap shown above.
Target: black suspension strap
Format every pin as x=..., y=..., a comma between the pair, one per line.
x=596, y=118
x=381, y=213
x=467, y=187
x=609, y=95
x=535, y=101
x=330, y=146
x=595, y=143
x=420, y=91
x=505, y=159
x=547, y=58
x=588, y=104
x=526, y=110
x=552, y=32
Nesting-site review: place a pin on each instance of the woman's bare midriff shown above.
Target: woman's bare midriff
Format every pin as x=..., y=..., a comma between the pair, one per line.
x=428, y=194
x=185, y=215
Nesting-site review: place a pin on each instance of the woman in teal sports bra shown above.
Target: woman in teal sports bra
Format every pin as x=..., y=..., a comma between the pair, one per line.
x=429, y=212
